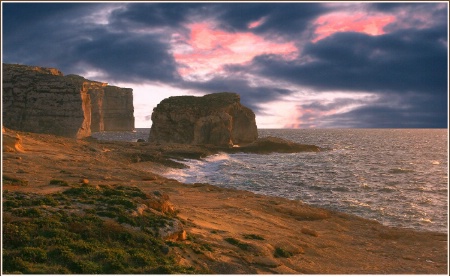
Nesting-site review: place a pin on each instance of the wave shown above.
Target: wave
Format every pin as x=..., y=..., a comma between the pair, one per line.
x=400, y=170
x=218, y=157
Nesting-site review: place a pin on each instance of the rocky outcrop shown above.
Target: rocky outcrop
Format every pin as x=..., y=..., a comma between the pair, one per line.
x=215, y=119
x=12, y=142
x=43, y=100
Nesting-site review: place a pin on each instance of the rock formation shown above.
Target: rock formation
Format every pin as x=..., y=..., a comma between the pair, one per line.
x=12, y=142
x=43, y=100
x=215, y=119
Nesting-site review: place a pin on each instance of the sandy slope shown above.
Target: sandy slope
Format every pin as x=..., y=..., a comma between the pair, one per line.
x=233, y=231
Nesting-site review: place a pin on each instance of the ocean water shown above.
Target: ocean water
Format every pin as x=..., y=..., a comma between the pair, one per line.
x=398, y=177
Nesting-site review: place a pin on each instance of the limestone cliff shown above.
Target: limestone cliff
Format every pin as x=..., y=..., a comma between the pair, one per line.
x=214, y=119
x=118, y=109
x=43, y=100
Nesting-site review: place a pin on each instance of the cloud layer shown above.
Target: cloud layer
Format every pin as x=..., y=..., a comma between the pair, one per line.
x=337, y=64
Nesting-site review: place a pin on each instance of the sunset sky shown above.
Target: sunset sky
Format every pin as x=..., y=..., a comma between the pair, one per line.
x=297, y=65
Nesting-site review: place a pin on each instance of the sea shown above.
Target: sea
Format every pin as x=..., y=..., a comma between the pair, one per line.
x=398, y=177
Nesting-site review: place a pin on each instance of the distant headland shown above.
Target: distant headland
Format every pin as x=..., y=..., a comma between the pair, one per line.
x=43, y=100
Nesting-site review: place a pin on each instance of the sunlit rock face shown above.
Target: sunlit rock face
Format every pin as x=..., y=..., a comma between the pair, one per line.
x=43, y=100
x=217, y=119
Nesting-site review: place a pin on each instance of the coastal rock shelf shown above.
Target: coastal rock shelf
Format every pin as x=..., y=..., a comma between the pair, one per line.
x=215, y=119
x=212, y=230
x=43, y=100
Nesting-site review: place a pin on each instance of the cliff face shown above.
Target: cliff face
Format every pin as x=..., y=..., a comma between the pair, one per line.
x=43, y=100
x=118, y=109
x=215, y=119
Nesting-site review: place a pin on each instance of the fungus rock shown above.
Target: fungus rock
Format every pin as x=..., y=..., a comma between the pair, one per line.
x=217, y=119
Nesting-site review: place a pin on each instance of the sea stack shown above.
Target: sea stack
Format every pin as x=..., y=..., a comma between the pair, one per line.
x=43, y=100
x=217, y=119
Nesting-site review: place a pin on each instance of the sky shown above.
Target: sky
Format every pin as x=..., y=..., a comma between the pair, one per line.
x=295, y=64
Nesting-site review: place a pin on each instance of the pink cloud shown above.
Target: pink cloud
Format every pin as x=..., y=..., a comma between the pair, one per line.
x=372, y=24
x=257, y=23
x=308, y=118
x=207, y=50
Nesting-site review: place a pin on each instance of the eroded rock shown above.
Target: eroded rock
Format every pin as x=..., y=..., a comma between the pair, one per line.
x=43, y=100
x=215, y=119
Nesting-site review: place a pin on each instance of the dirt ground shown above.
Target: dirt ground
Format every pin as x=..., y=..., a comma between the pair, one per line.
x=233, y=231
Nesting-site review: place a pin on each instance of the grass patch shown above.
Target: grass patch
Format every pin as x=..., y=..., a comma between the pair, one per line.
x=281, y=253
x=57, y=182
x=253, y=237
x=241, y=245
x=81, y=231
x=9, y=180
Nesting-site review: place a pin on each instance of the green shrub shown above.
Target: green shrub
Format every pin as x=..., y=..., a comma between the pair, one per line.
x=30, y=212
x=253, y=236
x=13, y=264
x=82, y=191
x=33, y=254
x=281, y=253
x=58, y=182
x=241, y=245
x=67, y=239
x=9, y=180
x=85, y=267
x=122, y=201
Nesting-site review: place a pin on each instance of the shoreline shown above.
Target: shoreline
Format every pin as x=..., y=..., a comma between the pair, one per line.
x=297, y=238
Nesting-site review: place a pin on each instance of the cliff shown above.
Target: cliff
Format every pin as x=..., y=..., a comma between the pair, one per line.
x=43, y=100
x=215, y=119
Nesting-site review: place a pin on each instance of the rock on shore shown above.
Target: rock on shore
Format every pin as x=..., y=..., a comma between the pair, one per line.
x=215, y=119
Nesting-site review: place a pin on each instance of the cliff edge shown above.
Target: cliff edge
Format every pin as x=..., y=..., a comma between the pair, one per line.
x=217, y=119
x=43, y=100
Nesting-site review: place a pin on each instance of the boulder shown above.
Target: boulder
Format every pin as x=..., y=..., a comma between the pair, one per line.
x=217, y=119
x=173, y=230
x=12, y=142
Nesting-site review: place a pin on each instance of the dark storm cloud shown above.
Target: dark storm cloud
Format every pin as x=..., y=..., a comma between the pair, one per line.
x=155, y=15
x=59, y=37
x=279, y=18
x=134, y=46
x=405, y=60
x=389, y=111
x=128, y=58
x=378, y=116
x=251, y=96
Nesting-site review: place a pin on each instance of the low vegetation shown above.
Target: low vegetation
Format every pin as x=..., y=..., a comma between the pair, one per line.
x=281, y=253
x=84, y=230
x=253, y=237
x=236, y=242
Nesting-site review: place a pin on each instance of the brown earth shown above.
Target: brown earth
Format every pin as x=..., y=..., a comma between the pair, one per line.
x=229, y=231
